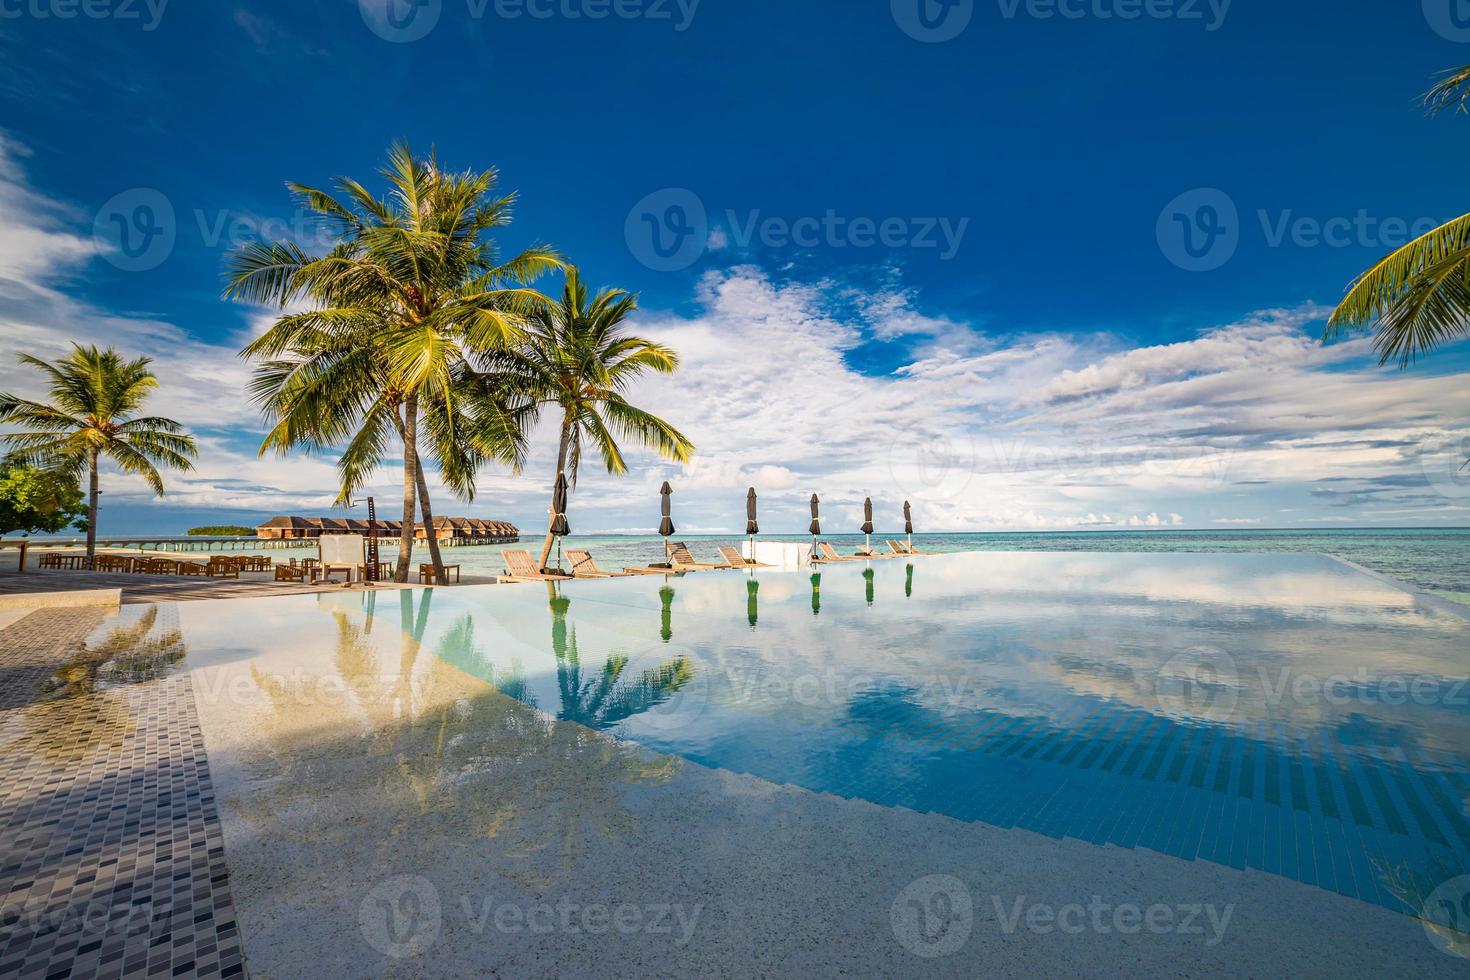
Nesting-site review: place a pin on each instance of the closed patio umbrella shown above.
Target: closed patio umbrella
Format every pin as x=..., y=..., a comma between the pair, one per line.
x=751, y=527
x=908, y=524
x=816, y=528
x=868, y=525
x=666, y=526
x=559, y=526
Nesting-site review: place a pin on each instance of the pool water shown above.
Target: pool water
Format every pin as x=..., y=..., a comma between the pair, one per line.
x=1291, y=714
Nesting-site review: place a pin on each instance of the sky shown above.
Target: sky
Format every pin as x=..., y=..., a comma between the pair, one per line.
x=1030, y=264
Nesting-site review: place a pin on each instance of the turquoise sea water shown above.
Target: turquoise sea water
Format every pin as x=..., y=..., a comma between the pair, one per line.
x=1436, y=560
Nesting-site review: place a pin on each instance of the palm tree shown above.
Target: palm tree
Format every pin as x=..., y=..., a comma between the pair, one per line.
x=398, y=313
x=1419, y=296
x=94, y=395
x=577, y=357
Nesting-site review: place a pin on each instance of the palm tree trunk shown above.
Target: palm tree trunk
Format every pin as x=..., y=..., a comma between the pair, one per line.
x=93, y=499
x=408, y=430
x=561, y=465
x=434, y=555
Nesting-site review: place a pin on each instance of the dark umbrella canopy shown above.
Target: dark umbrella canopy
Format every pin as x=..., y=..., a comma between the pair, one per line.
x=908, y=519
x=751, y=527
x=559, y=525
x=666, y=526
x=816, y=516
x=868, y=516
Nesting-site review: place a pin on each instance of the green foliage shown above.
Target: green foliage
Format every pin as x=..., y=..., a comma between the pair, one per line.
x=94, y=397
x=1419, y=295
x=222, y=531
x=35, y=501
x=577, y=356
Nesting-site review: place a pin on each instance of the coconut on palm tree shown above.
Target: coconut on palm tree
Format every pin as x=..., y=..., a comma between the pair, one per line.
x=1418, y=296
x=92, y=416
x=396, y=316
x=576, y=358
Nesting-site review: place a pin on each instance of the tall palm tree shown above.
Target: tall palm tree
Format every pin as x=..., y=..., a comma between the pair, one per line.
x=95, y=395
x=575, y=356
x=398, y=313
x=1419, y=295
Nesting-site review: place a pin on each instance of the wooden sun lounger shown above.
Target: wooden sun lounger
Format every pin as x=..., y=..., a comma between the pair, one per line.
x=584, y=566
x=737, y=560
x=519, y=567
x=897, y=547
x=682, y=558
x=829, y=554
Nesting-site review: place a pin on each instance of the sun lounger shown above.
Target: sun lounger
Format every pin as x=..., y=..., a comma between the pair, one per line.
x=898, y=548
x=682, y=558
x=829, y=554
x=519, y=567
x=736, y=560
x=584, y=566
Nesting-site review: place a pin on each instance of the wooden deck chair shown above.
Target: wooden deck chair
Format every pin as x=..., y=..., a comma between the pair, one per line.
x=584, y=566
x=735, y=559
x=519, y=567
x=829, y=554
x=682, y=558
x=897, y=547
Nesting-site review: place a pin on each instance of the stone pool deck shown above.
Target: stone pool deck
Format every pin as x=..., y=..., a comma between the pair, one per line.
x=111, y=853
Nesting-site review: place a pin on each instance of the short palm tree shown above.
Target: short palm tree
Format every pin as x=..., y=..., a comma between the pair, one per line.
x=397, y=315
x=95, y=396
x=1419, y=296
x=575, y=356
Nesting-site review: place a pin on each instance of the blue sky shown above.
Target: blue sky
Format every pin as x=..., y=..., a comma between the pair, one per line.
x=988, y=251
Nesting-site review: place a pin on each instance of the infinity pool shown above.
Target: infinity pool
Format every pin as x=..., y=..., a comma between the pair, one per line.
x=1288, y=714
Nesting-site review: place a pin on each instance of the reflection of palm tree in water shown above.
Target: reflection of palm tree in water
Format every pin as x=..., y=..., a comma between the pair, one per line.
x=607, y=699
x=467, y=756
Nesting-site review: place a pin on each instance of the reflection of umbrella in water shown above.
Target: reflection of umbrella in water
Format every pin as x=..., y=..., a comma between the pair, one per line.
x=908, y=524
x=868, y=525
x=666, y=525
x=908, y=583
x=751, y=527
x=752, y=605
x=666, y=614
x=868, y=578
x=816, y=528
x=559, y=526
x=816, y=593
